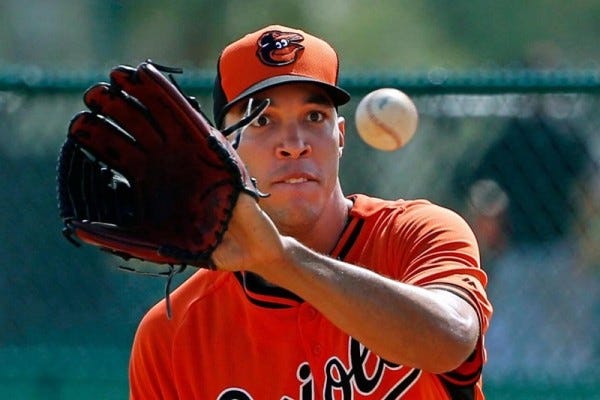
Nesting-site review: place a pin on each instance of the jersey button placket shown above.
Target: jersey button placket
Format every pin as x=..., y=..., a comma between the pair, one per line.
x=317, y=349
x=308, y=325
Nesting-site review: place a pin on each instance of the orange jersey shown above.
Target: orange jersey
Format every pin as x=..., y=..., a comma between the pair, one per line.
x=235, y=337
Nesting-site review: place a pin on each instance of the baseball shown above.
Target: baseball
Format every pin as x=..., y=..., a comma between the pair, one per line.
x=386, y=119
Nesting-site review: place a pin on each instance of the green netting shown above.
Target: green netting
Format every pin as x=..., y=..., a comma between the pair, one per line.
x=435, y=81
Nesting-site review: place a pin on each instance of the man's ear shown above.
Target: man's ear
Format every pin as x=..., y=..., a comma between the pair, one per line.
x=341, y=123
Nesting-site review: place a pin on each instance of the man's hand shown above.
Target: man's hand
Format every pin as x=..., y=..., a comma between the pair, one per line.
x=251, y=241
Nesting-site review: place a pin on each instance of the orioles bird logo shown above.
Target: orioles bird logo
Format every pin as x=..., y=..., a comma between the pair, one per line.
x=276, y=48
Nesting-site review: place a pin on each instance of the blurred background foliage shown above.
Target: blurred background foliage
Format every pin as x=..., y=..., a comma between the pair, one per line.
x=67, y=315
x=379, y=34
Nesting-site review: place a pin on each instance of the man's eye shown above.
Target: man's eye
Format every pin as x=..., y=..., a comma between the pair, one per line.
x=260, y=121
x=315, y=116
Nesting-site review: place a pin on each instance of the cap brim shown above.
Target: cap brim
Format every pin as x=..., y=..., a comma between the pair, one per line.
x=338, y=95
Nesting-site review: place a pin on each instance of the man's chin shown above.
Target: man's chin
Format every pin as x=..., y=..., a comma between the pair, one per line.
x=295, y=216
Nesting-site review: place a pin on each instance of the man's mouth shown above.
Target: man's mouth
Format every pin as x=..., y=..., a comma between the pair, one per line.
x=295, y=180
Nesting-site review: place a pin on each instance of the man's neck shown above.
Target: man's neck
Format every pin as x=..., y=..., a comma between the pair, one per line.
x=324, y=235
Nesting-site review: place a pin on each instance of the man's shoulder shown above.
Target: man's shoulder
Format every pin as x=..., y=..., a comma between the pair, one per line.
x=198, y=286
x=419, y=214
x=365, y=205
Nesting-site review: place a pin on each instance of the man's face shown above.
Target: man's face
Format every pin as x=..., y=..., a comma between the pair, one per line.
x=293, y=151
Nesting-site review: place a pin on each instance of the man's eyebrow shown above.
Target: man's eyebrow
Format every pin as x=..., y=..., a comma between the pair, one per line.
x=313, y=98
x=321, y=99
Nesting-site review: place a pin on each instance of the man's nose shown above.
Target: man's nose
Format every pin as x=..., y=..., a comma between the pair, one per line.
x=293, y=144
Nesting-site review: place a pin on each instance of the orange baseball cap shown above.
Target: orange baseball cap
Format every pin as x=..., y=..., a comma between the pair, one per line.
x=272, y=56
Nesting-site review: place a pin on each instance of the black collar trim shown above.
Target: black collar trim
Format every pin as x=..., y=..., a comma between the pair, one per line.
x=260, y=293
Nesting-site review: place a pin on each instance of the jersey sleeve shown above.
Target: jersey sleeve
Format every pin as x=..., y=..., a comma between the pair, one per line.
x=435, y=247
x=438, y=249
x=150, y=375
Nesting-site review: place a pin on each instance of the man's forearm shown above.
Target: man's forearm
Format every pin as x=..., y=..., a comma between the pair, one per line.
x=432, y=330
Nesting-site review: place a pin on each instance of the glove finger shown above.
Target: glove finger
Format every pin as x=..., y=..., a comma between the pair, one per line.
x=108, y=143
x=172, y=114
x=125, y=111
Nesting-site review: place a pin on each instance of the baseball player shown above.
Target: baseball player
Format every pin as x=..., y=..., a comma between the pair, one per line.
x=316, y=294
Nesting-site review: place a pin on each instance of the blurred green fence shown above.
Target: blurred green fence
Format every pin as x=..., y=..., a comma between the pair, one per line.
x=515, y=152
